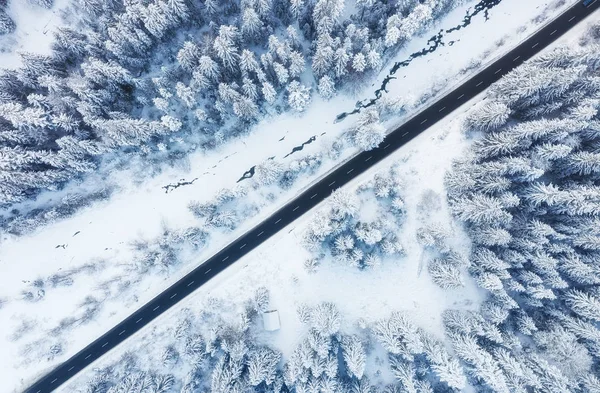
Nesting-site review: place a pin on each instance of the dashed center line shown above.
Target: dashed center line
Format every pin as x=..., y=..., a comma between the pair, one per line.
x=139, y=320
x=54, y=380
x=424, y=121
x=224, y=259
x=123, y=331
x=242, y=246
x=296, y=208
x=105, y=344
x=350, y=171
x=497, y=71
x=386, y=146
x=87, y=357
x=516, y=58
x=261, y=232
x=155, y=308
x=206, y=272
x=442, y=109
x=479, y=84
x=460, y=96
x=571, y=18
x=312, y=197
x=534, y=45
x=190, y=283
x=72, y=367
x=331, y=184
x=368, y=158
x=553, y=32
x=277, y=221
x=173, y=295
x=406, y=133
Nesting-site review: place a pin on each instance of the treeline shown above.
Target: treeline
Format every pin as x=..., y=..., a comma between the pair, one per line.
x=164, y=77
x=528, y=193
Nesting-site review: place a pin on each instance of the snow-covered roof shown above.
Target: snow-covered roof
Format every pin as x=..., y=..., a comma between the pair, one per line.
x=271, y=320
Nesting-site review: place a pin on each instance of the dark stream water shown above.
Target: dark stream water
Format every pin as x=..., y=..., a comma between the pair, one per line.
x=432, y=45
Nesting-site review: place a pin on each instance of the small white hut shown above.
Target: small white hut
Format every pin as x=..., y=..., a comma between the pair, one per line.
x=271, y=320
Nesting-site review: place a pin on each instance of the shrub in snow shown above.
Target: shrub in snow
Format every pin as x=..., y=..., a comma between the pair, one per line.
x=368, y=133
x=298, y=96
x=7, y=25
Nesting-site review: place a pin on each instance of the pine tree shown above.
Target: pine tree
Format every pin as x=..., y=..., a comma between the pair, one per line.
x=354, y=355
x=268, y=92
x=298, y=96
x=368, y=132
x=225, y=47
x=326, y=87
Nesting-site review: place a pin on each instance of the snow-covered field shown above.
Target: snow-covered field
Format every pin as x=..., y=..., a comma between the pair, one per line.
x=102, y=234
x=399, y=283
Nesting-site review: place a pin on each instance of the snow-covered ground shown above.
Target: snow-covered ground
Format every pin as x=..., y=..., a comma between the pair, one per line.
x=33, y=34
x=103, y=233
x=367, y=296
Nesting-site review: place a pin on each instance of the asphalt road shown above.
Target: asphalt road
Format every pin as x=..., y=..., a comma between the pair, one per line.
x=311, y=197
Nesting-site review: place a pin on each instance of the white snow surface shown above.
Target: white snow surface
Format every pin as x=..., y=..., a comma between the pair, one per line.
x=33, y=33
x=140, y=211
x=361, y=296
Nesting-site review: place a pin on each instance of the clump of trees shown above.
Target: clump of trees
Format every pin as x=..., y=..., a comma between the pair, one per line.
x=339, y=232
x=528, y=193
x=161, y=78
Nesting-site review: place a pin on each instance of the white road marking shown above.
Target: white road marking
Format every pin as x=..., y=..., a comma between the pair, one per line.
x=72, y=367
x=516, y=58
x=155, y=308
x=368, y=158
x=105, y=344
x=277, y=221
x=331, y=184
x=261, y=232
x=534, y=45
x=122, y=332
x=406, y=133
x=313, y=196
x=190, y=283
x=461, y=96
x=224, y=259
x=424, y=121
x=553, y=32
x=497, y=71
x=589, y=5
x=296, y=208
x=386, y=146
x=87, y=357
x=139, y=320
x=479, y=84
x=54, y=380
x=442, y=109
x=350, y=171
x=206, y=272
x=571, y=18
x=242, y=246
x=173, y=295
